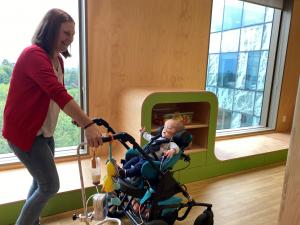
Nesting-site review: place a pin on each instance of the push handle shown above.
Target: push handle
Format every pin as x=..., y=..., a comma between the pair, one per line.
x=122, y=137
x=102, y=122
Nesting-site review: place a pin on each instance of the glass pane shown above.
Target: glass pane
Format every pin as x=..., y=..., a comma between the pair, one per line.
x=246, y=120
x=232, y=14
x=225, y=98
x=258, y=103
x=256, y=121
x=212, y=89
x=238, y=68
x=266, y=36
x=15, y=40
x=251, y=38
x=262, y=71
x=253, y=14
x=230, y=41
x=224, y=119
x=269, y=14
x=65, y=133
x=252, y=70
x=212, y=71
x=241, y=71
x=236, y=120
x=227, y=70
x=244, y=101
x=5, y=73
x=215, y=43
x=220, y=120
x=216, y=18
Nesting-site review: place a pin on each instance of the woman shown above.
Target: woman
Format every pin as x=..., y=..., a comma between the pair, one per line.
x=35, y=97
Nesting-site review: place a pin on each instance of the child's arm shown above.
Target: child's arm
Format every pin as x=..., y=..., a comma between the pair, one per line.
x=170, y=153
x=174, y=149
x=142, y=130
x=145, y=134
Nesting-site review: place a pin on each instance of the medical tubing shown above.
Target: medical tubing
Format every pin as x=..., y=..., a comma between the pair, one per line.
x=81, y=182
x=89, y=198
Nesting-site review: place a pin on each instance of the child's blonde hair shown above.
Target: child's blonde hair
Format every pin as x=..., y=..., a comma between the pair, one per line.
x=178, y=125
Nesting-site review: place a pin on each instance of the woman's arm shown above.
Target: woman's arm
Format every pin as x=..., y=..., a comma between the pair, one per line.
x=92, y=133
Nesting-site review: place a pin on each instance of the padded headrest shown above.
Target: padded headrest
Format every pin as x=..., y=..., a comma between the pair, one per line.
x=182, y=139
x=159, y=130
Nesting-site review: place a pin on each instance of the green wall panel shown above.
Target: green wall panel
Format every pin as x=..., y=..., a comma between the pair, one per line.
x=197, y=159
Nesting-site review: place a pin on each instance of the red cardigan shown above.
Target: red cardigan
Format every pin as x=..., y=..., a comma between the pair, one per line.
x=33, y=84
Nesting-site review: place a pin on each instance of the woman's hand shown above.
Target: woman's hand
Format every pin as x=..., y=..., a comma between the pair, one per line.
x=80, y=119
x=93, y=136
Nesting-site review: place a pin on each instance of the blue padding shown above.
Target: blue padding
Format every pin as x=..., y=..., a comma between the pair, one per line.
x=132, y=152
x=171, y=201
x=147, y=195
x=148, y=171
x=168, y=163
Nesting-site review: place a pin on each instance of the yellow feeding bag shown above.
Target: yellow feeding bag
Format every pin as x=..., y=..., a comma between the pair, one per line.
x=108, y=183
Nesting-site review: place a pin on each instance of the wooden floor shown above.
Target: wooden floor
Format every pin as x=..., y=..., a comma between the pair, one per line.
x=248, y=198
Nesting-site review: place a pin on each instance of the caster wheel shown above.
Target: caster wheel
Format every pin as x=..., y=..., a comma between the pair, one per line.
x=206, y=218
x=170, y=217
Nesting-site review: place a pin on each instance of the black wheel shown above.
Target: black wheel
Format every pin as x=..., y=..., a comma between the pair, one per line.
x=156, y=222
x=206, y=218
x=170, y=217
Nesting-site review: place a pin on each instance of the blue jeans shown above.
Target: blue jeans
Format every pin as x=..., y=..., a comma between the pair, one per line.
x=40, y=163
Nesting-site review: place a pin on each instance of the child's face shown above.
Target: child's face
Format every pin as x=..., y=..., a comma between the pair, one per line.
x=169, y=129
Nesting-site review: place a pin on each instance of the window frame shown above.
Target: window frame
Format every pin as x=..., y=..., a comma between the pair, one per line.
x=71, y=151
x=274, y=75
x=271, y=74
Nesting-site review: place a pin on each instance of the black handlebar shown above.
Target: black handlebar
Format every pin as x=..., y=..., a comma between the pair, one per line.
x=122, y=137
x=102, y=122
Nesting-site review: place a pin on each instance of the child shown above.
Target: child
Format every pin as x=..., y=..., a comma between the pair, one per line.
x=157, y=148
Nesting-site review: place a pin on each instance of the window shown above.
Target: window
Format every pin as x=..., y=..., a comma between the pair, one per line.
x=242, y=49
x=16, y=35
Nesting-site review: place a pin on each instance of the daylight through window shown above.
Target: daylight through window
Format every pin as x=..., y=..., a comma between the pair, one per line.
x=243, y=41
x=16, y=35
